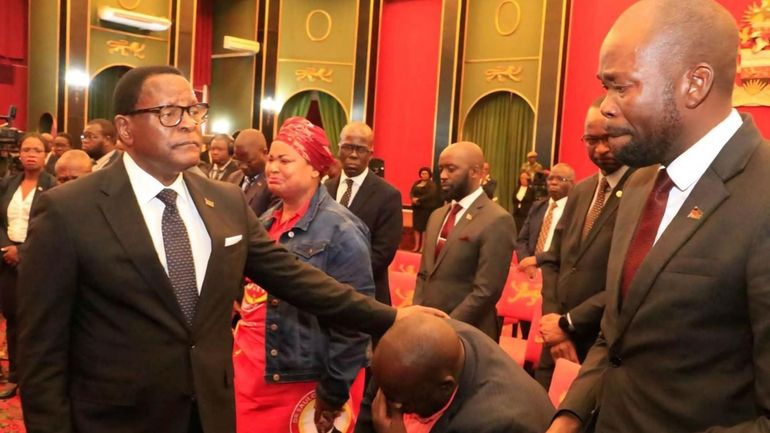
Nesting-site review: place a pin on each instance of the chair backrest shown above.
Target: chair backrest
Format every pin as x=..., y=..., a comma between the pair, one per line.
x=563, y=374
x=401, y=288
x=520, y=296
x=406, y=262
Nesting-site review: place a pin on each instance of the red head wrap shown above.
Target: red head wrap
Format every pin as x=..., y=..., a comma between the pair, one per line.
x=308, y=140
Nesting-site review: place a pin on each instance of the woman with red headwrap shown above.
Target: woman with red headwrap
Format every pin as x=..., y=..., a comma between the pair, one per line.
x=292, y=373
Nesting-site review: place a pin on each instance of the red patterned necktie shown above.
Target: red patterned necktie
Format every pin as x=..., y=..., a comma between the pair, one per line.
x=647, y=229
x=446, y=229
x=596, y=207
x=544, y=229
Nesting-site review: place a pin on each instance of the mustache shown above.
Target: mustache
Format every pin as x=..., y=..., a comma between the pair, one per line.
x=617, y=131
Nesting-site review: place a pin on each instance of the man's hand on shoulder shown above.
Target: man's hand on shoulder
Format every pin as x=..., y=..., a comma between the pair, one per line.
x=419, y=309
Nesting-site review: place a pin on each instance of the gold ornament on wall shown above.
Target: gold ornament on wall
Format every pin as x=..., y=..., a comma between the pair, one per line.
x=125, y=48
x=129, y=6
x=516, y=22
x=501, y=74
x=312, y=74
x=310, y=16
x=752, y=87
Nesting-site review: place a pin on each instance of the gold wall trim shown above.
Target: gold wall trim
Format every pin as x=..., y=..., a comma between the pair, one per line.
x=540, y=77
x=231, y=55
x=501, y=59
x=135, y=35
x=265, y=31
x=377, y=76
x=498, y=27
x=327, y=62
x=131, y=7
x=559, y=72
x=329, y=27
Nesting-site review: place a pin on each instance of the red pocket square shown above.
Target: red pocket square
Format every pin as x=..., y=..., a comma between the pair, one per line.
x=465, y=238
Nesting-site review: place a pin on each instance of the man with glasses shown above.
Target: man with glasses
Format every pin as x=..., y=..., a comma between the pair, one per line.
x=370, y=198
x=536, y=236
x=573, y=300
x=130, y=274
x=99, y=141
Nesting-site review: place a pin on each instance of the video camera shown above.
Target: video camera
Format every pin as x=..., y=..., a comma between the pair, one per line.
x=9, y=136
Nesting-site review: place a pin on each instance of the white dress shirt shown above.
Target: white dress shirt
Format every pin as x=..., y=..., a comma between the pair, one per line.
x=687, y=169
x=466, y=203
x=612, y=180
x=18, y=215
x=102, y=162
x=357, y=181
x=146, y=189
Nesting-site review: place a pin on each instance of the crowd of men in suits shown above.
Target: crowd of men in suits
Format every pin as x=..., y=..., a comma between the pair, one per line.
x=654, y=270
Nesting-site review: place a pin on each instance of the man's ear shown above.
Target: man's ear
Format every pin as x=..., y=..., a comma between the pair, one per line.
x=123, y=126
x=697, y=84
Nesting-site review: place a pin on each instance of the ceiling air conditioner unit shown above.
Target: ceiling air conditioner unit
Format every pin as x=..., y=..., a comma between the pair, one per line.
x=134, y=19
x=242, y=45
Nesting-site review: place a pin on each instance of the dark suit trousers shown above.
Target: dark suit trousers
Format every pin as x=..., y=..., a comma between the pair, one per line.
x=8, y=297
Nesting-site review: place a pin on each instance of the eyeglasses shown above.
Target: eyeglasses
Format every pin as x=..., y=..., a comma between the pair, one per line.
x=350, y=148
x=87, y=137
x=593, y=140
x=558, y=178
x=171, y=115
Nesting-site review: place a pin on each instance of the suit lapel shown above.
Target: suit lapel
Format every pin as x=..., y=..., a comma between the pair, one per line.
x=460, y=226
x=431, y=237
x=707, y=194
x=207, y=208
x=122, y=213
x=363, y=194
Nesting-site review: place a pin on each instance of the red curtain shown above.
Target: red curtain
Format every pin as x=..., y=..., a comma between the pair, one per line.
x=204, y=23
x=13, y=22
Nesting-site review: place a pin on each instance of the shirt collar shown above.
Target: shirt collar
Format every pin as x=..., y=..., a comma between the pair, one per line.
x=688, y=167
x=147, y=187
x=614, y=178
x=560, y=203
x=357, y=180
x=468, y=200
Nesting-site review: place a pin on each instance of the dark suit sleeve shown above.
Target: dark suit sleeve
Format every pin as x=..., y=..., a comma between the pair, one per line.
x=550, y=263
x=494, y=262
x=386, y=233
x=47, y=291
x=271, y=266
x=4, y=240
x=582, y=397
x=522, y=241
x=589, y=312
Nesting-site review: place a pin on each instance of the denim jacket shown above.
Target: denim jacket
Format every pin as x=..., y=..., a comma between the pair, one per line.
x=297, y=346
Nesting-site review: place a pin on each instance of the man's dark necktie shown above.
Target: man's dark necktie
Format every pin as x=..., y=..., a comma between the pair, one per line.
x=345, y=200
x=645, y=233
x=596, y=207
x=545, y=228
x=446, y=229
x=179, y=258
x=247, y=182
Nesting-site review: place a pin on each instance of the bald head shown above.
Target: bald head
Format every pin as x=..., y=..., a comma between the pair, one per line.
x=680, y=35
x=417, y=363
x=357, y=130
x=461, y=169
x=250, y=152
x=73, y=164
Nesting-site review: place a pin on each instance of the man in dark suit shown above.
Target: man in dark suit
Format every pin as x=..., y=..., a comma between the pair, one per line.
x=250, y=155
x=222, y=163
x=100, y=142
x=125, y=320
x=461, y=382
x=537, y=234
x=468, y=245
x=575, y=268
x=370, y=198
x=685, y=332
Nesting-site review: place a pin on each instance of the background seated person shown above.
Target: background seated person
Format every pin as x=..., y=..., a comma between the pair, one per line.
x=441, y=375
x=283, y=355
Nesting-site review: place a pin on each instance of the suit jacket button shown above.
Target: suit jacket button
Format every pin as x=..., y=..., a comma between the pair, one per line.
x=273, y=327
x=615, y=361
x=291, y=234
x=273, y=352
x=274, y=302
x=276, y=377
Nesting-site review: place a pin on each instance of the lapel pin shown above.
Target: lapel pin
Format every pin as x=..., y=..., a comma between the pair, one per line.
x=468, y=216
x=208, y=202
x=695, y=213
x=619, y=194
x=40, y=188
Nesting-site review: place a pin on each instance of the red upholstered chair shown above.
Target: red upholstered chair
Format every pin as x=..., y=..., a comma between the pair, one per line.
x=520, y=294
x=563, y=375
x=526, y=352
x=401, y=288
x=406, y=262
